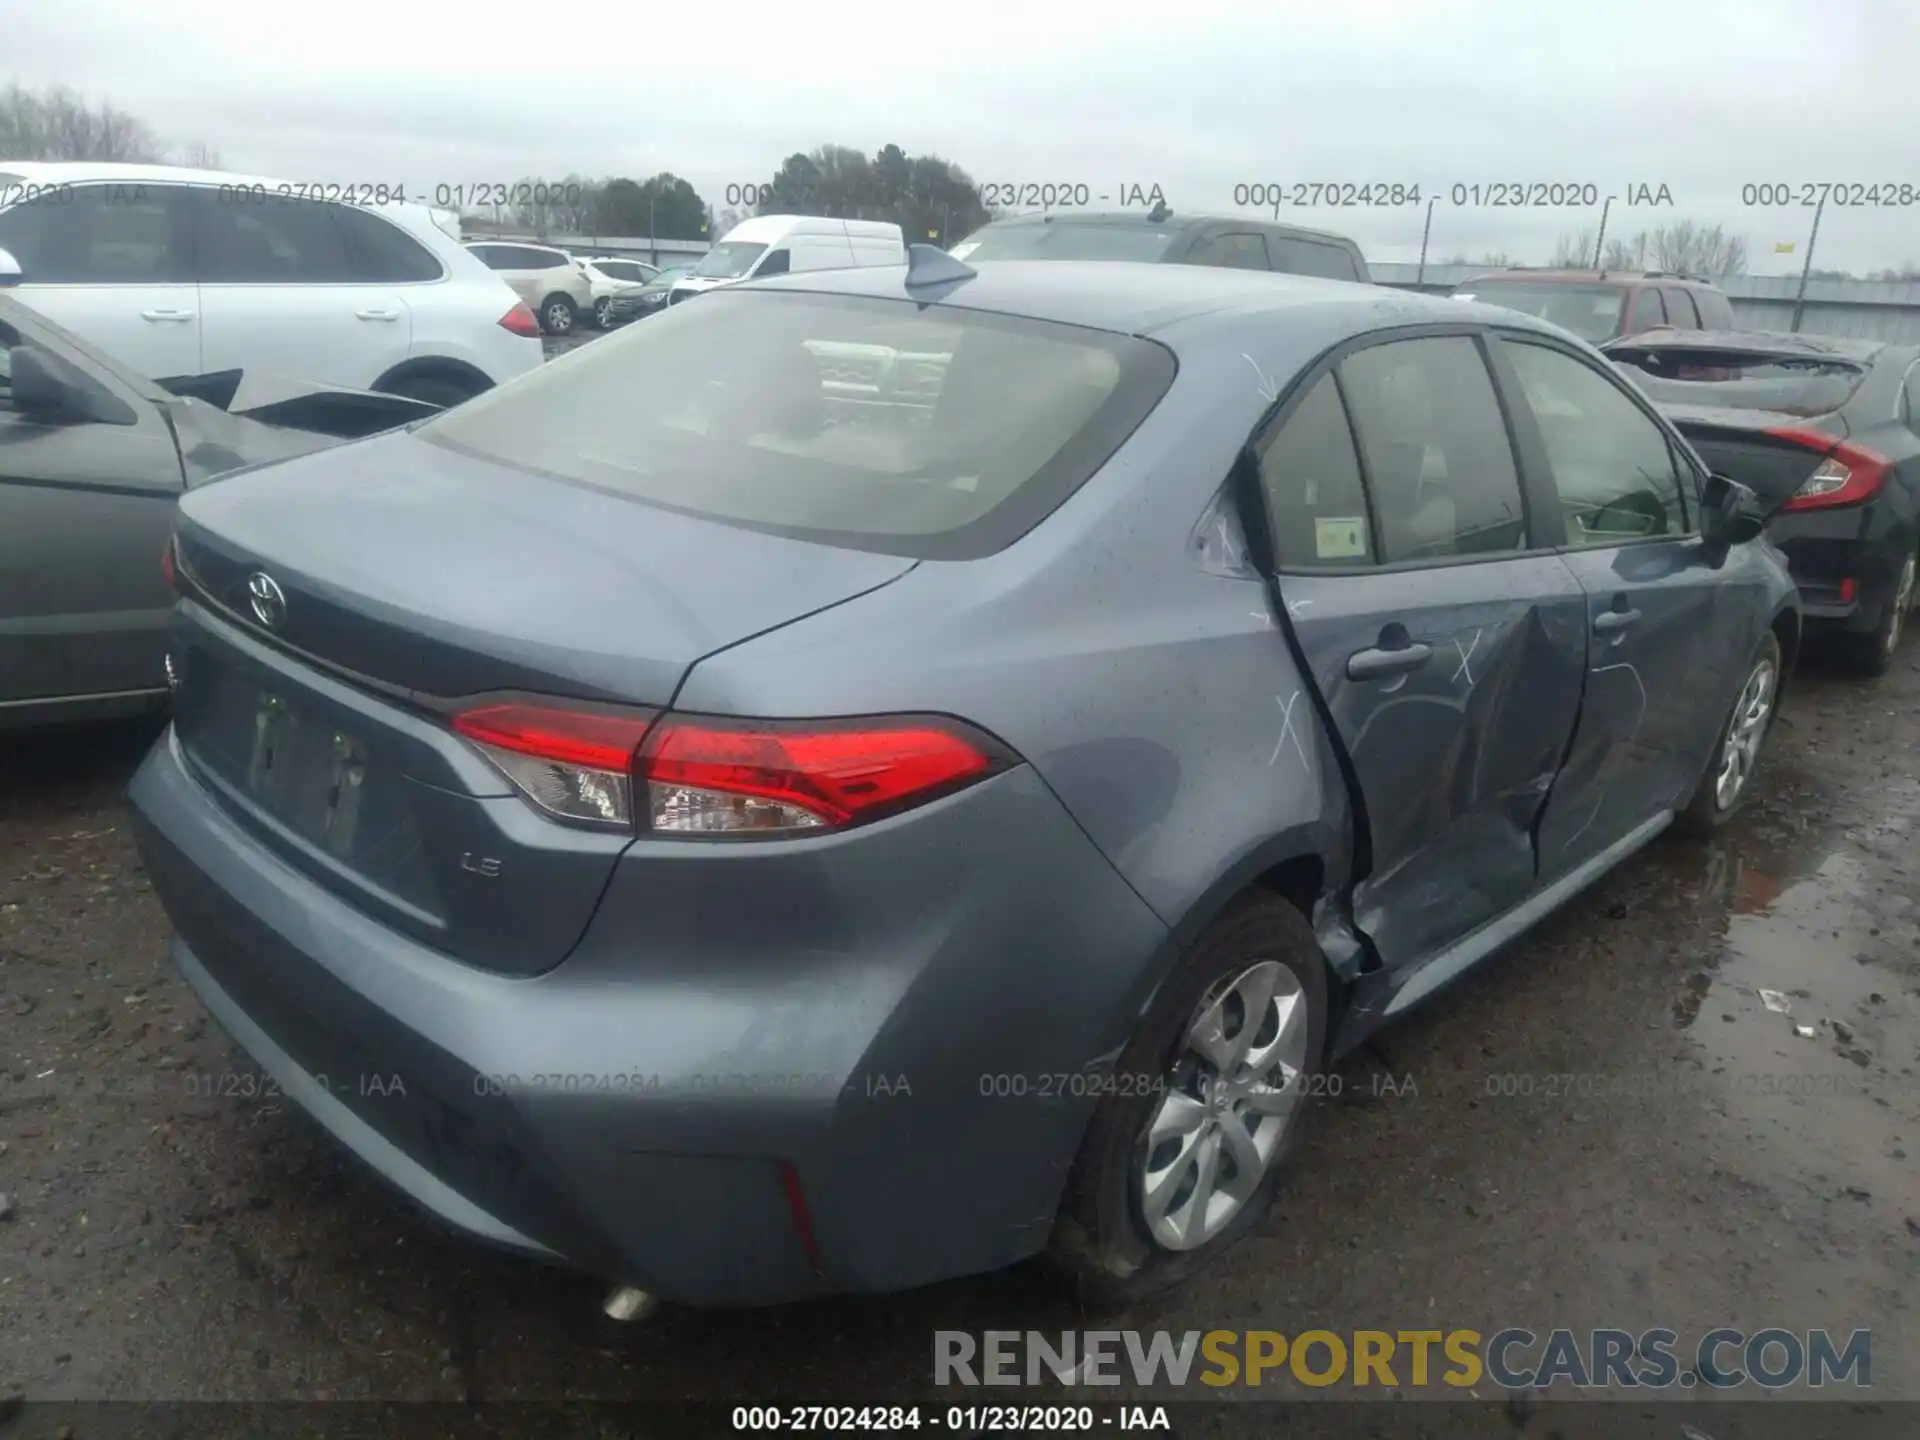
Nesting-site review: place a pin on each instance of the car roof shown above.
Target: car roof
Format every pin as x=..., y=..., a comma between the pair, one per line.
x=1179, y=220
x=1752, y=342
x=1144, y=298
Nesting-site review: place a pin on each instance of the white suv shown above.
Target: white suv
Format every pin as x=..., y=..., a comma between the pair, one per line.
x=555, y=284
x=180, y=273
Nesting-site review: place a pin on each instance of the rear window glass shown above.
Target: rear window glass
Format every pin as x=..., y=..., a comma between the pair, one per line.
x=1790, y=384
x=1066, y=240
x=1590, y=311
x=876, y=424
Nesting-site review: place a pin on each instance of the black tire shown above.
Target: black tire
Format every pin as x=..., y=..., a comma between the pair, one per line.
x=1704, y=812
x=1100, y=1240
x=1872, y=655
x=558, y=315
x=434, y=389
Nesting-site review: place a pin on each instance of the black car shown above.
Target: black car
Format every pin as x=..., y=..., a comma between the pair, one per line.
x=1828, y=431
x=1235, y=242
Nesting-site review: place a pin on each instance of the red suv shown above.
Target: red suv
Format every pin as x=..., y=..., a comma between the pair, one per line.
x=1603, y=305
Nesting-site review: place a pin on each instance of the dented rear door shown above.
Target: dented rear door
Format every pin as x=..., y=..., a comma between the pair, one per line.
x=1447, y=648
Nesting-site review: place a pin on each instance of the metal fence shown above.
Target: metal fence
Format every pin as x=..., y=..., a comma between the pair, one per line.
x=1860, y=309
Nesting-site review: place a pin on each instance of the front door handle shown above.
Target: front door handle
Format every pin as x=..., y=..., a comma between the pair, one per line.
x=177, y=316
x=1608, y=621
x=1375, y=663
x=378, y=314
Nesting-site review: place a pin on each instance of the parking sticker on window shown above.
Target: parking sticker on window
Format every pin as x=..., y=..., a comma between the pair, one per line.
x=1340, y=537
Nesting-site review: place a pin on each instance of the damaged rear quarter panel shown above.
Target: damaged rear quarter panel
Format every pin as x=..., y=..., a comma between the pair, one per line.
x=1158, y=701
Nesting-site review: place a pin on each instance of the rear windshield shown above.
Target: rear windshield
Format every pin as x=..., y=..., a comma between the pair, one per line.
x=872, y=423
x=1066, y=240
x=728, y=260
x=1590, y=311
x=1790, y=384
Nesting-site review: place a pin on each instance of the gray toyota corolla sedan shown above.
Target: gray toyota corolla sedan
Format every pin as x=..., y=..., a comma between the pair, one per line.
x=880, y=774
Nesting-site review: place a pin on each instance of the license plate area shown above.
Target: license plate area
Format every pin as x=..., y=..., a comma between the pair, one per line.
x=307, y=773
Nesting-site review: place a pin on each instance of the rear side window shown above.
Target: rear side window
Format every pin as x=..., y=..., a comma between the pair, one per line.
x=271, y=240
x=1645, y=311
x=119, y=234
x=1680, y=312
x=1297, y=256
x=383, y=253
x=1311, y=475
x=1438, y=461
x=870, y=423
x=1239, y=250
x=1612, y=466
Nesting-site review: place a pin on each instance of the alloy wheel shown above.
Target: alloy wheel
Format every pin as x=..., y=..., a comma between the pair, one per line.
x=1745, y=732
x=559, y=318
x=603, y=314
x=1231, y=1095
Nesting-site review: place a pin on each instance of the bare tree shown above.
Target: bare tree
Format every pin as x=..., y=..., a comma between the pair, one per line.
x=58, y=124
x=1906, y=272
x=1575, y=251
x=554, y=207
x=1626, y=253
x=1694, y=249
x=200, y=156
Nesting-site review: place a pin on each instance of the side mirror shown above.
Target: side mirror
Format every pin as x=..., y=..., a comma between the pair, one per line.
x=47, y=389
x=1730, y=514
x=10, y=271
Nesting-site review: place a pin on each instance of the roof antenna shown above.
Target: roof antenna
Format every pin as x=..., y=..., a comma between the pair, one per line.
x=930, y=265
x=1159, y=214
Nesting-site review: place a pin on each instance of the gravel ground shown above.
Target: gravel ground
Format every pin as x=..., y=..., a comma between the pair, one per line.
x=161, y=1242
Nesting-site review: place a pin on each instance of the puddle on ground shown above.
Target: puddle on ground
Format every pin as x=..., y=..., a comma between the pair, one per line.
x=1831, y=935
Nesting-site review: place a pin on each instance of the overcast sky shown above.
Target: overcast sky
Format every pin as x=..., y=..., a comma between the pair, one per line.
x=1197, y=97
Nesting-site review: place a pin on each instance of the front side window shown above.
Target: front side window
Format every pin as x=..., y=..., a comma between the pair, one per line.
x=1612, y=465
x=728, y=260
x=869, y=423
x=778, y=263
x=1438, y=460
x=117, y=234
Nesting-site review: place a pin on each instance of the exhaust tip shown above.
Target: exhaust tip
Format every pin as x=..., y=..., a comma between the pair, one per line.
x=626, y=1303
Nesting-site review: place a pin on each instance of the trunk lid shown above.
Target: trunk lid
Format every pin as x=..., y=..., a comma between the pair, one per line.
x=432, y=571
x=408, y=576
x=1737, y=444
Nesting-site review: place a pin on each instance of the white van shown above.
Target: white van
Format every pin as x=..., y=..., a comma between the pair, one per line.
x=776, y=244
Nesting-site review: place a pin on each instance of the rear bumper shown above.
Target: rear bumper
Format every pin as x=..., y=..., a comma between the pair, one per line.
x=832, y=1011
x=1826, y=549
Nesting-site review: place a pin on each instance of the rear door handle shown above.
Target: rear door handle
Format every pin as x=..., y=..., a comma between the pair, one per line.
x=378, y=314
x=1372, y=664
x=1607, y=621
x=178, y=316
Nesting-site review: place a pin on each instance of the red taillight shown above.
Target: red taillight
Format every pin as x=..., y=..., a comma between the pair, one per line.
x=576, y=764
x=521, y=321
x=708, y=776
x=1847, y=475
x=166, y=563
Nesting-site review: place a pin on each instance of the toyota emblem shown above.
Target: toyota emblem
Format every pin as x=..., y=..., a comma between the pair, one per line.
x=269, y=604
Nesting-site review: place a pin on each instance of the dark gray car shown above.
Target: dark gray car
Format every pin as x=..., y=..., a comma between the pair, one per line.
x=747, y=836
x=92, y=459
